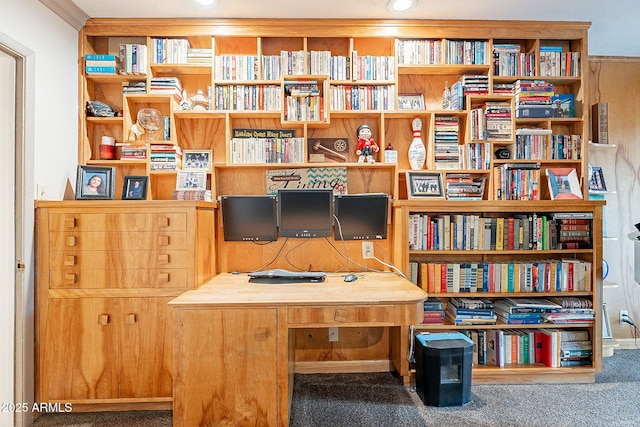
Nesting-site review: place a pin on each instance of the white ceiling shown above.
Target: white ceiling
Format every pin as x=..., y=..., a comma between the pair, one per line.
x=366, y=9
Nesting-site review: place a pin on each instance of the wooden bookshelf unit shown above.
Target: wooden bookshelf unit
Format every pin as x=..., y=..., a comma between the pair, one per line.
x=337, y=75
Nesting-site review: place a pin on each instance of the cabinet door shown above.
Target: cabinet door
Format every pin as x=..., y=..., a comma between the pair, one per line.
x=229, y=375
x=144, y=338
x=78, y=355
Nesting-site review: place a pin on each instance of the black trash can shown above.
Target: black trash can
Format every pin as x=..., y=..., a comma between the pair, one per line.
x=443, y=368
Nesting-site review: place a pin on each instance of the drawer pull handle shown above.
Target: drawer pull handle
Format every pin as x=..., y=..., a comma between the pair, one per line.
x=163, y=240
x=164, y=221
x=340, y=316
x=163, y=278
x=260, y=334
x=69, y=260
x=163, y=259
x=130, y=319
x=70, y=279
x=72, y=241
x=103, y=319
x=69, y=222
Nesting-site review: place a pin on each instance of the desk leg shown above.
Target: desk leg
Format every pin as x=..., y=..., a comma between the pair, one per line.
x=399, y=350
x=285, y=367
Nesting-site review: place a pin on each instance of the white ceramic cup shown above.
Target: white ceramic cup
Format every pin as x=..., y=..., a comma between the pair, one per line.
x=107, y=140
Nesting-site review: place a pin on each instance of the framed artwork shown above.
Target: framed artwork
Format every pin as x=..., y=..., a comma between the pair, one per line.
x=424, y=184
x=412, y=101
x=563, y=183
x=135, y=188
x=95, y=182
x=596, y=179
x=191, y=180
x=200, y=160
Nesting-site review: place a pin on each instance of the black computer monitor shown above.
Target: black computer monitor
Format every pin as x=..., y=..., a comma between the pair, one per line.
x=305, y=212
x=249, y=218
x=361, y=216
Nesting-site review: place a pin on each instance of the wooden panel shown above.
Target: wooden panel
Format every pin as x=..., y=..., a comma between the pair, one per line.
x=98, y=240
x=123, y=260
x=117, y=222
x=228, y=359
x=377, y=315
x=118, y=279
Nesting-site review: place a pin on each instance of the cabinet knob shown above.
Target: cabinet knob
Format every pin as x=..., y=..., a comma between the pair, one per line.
x=130, y=319
x=260, y=334
x=69, y=222
x=70, y=279
x=164, y=221
x=163, y=259
x=163, y=278
x=72, y=240
x=69, y=260
x=340, y=316
x=103, y=319
x=163, y=240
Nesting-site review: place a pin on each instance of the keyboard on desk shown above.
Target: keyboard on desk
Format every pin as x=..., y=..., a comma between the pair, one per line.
x=280, y=275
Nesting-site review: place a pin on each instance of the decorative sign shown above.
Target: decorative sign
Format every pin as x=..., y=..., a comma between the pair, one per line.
x=335, y=178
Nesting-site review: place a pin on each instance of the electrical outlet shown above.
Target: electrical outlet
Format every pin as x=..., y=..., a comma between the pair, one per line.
x=42, y=191
x=367, y=250
x=623, y=313
x=333, y=334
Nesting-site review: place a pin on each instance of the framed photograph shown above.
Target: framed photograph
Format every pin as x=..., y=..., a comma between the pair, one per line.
x=199, y=160
x=563, y=184
x=191, y=180
x=411, y=101
x=95, y=182
x=596, y=179
x=424, y=184
x=135, y=188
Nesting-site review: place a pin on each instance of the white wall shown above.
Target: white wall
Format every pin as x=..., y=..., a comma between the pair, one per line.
x=50, y=152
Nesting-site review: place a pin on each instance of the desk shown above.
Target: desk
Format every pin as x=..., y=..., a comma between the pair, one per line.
x=234, y=340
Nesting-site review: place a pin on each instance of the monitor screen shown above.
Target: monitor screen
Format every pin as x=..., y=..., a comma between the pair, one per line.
x=305, y=212
x=361, y=216
x=249, y=218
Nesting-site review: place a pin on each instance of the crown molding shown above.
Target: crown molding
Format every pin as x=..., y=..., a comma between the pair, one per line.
x=68, y=11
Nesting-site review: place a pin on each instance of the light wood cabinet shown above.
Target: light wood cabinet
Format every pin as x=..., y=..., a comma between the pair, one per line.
x=106, y=271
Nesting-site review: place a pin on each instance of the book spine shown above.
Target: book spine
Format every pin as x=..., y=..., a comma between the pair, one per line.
x=90, y=69
x=99, y=57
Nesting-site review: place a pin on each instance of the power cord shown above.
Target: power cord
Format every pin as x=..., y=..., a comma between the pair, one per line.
x=628, y=320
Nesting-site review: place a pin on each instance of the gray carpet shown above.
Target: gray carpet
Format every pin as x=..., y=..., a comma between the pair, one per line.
x=363, y=400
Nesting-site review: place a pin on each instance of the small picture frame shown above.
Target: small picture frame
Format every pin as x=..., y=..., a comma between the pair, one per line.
x=197, y=160
x=563, y=184
x=411, y=101
x=135, y=188
x=596, y=179
x=191, y=180
x=424, y=184
x=95, y=182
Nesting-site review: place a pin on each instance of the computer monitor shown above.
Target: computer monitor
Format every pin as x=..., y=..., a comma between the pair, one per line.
x=305, y=212
x=361, y=216
x=249, y=218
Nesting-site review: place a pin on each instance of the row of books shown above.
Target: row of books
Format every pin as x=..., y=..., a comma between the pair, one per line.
x=517, y=181
x=555, y=62
x=362, y=97
x=369, y=67
x=236, y=67
x=467, y=85
x=509, y=60
x=266, y=150
x=169, y=51
x=491, y=122
x=419, y=51
x=548, y=346
x=466, y=52
x=298, y=108
x=248, y=97
x=474, y=232
x=545, y=275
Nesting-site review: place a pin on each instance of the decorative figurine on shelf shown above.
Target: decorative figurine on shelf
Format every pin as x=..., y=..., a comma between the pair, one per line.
x=417, y=150
x=366, y=145
x=199, y=101
x=185, y=104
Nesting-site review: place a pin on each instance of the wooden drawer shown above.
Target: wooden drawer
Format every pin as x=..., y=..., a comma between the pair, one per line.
x=118, y=260
x=118, y=279
x=135, y=240
x=374, y=315
x=160, y=221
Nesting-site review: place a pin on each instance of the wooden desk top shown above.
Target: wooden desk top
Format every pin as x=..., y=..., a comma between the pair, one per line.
x=235, y=289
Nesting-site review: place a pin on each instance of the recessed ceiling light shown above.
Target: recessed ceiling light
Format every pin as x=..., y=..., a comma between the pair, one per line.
x=401, y=5
x=208, y=2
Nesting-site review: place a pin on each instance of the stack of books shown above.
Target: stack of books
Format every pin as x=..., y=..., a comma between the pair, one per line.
x=433, y=311
x=471, y=311
x=165, y=157
x=572, y=310
x=132, y=151
x=204, y=195
x=134, y=87
x=462, y=186
x=533, y=99
x=518, y=311
x=199, y=56
x=167, y=86
x=446, y=142
x=99, y=64
x=573, y=230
